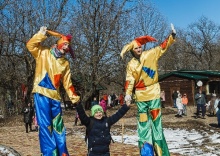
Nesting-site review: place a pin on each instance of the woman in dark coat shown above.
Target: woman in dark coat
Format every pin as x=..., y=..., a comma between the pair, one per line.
x=28, y=116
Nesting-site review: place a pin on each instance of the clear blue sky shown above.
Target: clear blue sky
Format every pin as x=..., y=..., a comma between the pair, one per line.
x=184, y=12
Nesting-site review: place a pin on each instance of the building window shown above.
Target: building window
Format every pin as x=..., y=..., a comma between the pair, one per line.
x=214, y=87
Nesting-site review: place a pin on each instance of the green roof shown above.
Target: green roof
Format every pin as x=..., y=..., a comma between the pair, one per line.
x=202, y=72
x=190, y=74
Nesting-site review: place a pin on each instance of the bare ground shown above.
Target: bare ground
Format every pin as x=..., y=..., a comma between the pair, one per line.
x=12, y=131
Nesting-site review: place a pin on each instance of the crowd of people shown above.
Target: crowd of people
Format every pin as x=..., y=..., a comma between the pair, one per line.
x=113, y=99
x=204, y=106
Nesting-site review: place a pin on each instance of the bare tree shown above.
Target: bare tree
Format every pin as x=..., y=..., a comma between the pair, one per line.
x=196, y=48
x=97, y=27
x=100, y=29
x=147, y=20
x=19, y=21
x=202, y=40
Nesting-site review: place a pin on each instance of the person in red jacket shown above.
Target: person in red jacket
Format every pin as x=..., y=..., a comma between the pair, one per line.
x=121, y=99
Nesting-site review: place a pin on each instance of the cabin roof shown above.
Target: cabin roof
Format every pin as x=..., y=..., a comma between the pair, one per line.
x=191, y=74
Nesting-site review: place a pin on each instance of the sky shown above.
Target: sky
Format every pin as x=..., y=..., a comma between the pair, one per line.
x=184, y=12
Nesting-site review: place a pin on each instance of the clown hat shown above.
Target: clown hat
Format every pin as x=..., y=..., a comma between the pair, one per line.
x=136, y=43
x=63, y=39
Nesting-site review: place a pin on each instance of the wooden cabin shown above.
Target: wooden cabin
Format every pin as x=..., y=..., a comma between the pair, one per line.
x=185, y=81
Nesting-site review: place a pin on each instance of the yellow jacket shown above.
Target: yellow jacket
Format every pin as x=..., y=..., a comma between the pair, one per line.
x=50, y=71
x=142, y=74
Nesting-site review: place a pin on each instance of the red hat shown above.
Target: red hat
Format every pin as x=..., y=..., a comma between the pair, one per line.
x=136, y=43
x=63, y=39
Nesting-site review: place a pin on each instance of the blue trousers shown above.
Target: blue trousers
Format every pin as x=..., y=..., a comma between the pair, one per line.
x=174, y=103
x=202, y=106
x=52, y=135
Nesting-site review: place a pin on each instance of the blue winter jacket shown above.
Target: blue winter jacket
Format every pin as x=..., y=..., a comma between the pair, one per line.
x=200, y=99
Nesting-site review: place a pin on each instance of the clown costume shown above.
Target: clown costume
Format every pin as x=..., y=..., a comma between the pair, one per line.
x=51, y=69
x=142, y=78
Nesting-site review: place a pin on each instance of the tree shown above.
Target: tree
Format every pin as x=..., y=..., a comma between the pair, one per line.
x=19, y=21
x=196, y=48
x=202, y=40
x=97, y=26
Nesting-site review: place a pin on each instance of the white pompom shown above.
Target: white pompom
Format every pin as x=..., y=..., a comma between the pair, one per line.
x=199, y=83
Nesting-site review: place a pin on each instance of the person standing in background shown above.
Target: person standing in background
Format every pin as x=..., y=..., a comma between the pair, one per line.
x=121, y=99
x=211, y=105
x=200, y=102
x=174, y=96
x=28, y=112
x=105, y=97
x=76, y=118
x=162, y=96
x=217, y=109
x=94, y=102
x=109, y=100
x=179, y=105
x=184, y=102
x=218, y=114
x=103, y=104
x=35, y=123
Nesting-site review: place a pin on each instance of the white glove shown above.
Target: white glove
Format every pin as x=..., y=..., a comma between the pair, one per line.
x=172, y=28
x=43, y=30
x=128, y=98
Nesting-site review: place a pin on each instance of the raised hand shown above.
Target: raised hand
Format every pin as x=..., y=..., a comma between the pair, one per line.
x=173, y=30
x=43, y=30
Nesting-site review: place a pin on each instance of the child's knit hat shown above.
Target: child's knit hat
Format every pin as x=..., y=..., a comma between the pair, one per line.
x=95, y=109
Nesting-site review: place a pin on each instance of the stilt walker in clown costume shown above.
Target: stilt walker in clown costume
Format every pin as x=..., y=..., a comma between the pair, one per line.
x=142, y=77
x=52, y=68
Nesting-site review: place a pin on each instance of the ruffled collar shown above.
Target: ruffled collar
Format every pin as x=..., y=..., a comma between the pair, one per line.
x=56, y=53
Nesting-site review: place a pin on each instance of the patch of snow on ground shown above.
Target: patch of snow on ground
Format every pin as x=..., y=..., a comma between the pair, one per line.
x=182, y=141
x=5, y=151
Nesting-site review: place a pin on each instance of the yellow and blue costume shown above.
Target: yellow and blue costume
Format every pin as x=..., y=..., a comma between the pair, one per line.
x=49, y=72
x=142, y=77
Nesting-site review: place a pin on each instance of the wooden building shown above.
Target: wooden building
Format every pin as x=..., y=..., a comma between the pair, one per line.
x=185, y=81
